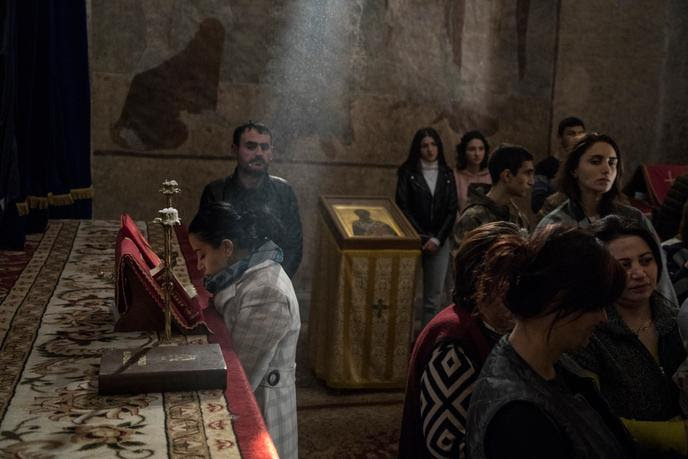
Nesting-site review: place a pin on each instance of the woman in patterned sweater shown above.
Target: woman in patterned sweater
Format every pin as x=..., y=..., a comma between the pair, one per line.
x=449, y=353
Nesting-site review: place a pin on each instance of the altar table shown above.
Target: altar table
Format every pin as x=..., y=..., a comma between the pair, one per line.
x=55, y=321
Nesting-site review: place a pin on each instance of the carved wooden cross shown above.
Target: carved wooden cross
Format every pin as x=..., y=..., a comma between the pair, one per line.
x=378, y=307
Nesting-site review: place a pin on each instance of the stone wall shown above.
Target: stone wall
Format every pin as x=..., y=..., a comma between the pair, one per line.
x=345, y=84
x=670, y=144
x=622, y=67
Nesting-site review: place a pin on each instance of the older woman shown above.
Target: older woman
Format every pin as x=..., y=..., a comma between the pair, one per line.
x=257, y=301
x=437, y=396
x=591, y=180
x=530, y=399
x=426, y=193
x=635, y=354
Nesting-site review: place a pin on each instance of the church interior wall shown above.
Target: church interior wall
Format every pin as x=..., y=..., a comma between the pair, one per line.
x=620, y=68
x=344, y=86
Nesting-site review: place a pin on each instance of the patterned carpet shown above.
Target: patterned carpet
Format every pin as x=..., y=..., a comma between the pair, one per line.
x=55, y=300
x=55, y=320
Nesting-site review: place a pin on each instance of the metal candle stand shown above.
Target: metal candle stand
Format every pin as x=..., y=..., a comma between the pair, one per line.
x=166, y=367
x=168, y=218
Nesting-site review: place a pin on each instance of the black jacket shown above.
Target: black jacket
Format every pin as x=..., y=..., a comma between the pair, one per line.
x=431, y=215
x=636, y=385
x=273, y=194
x=668, y=217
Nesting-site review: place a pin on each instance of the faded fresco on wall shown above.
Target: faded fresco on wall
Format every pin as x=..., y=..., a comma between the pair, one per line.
x=309, y=68
x=187, y=81
x=343, y=86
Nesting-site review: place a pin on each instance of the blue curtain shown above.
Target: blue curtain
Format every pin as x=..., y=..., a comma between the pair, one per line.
x=45, y=169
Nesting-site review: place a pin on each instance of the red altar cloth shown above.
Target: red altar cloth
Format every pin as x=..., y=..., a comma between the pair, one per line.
x=650, y=183
x=129, y=229
x=660, y=177
x=140, y=299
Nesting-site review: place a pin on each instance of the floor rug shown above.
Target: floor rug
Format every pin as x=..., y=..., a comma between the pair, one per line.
x=55, y=321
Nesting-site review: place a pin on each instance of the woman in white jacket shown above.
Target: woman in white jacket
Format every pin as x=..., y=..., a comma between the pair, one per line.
x=257, y=301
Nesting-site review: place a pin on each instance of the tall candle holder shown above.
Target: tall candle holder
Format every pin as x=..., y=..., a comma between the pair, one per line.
x=168, y=218
x=168, y=367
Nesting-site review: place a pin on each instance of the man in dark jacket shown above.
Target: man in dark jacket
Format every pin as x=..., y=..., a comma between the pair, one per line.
x=511, y=169
x=250, y=187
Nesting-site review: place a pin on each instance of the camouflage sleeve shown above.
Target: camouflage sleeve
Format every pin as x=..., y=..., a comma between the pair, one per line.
x=470, y=219
x=551, y=211
x=549, y=219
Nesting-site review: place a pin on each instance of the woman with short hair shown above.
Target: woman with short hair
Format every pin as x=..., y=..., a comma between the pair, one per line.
x=635, y=354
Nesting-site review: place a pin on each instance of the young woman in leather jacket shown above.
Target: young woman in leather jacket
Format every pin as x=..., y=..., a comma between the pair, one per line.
x=426, y=193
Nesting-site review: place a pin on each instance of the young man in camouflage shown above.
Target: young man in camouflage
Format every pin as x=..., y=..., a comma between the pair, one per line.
x=511, y=168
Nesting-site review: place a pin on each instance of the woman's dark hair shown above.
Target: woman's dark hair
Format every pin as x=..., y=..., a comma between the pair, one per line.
x=219, y=220
x=470, y=256
x=613, y=227
x=505, y=157
x=413, y=160
x=461, y=159
x=260, y=128
x=568, y=183
x=571, y=121
x=559, y=268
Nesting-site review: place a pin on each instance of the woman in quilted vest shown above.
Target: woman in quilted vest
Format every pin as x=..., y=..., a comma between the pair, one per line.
x=257, y=301
x=530, y=399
